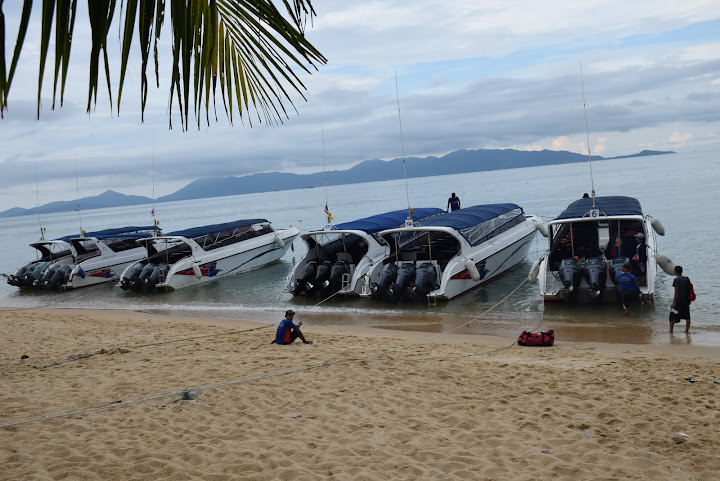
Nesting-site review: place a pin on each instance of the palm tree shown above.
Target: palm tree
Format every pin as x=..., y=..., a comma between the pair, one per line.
x=246, y=47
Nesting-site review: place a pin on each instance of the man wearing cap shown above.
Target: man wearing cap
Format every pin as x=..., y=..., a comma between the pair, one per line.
x=639, y=259
x=287, y=331
x=628, y=288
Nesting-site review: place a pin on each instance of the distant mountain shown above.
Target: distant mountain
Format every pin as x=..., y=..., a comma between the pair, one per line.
x=109, y=198
x=457, y=162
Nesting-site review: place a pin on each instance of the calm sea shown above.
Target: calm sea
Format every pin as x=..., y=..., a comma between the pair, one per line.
x=680, y=189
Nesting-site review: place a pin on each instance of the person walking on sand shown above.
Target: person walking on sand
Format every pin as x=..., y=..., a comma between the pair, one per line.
x=680, y=307
x=287, y=331
x=628, y=288
x=453, y=203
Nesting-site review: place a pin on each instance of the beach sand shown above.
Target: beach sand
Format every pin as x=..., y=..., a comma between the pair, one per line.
x=99, y=396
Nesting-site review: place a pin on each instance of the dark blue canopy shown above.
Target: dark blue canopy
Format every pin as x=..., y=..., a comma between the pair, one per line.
x=609, y=206
x=470, y=216
x=214, y=229
x=129, y=231
x=389, y=220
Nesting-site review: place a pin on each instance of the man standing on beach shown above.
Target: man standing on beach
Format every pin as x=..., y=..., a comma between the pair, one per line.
x=287, y=331
x=453, y=203
x=680, y=307
x=628, y=288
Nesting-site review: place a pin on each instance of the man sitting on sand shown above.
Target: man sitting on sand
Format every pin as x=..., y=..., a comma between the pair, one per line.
x=287, y=332
x=628, y=288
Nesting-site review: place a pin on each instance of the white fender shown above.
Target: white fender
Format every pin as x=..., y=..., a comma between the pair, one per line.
x=196, y=271
x=279, y=242
x=534, y=271
x=472, y=270
x=542, y=228
x=665, y=263
x=657, y=226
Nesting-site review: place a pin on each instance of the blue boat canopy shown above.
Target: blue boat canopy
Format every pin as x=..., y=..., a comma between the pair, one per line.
x=476, y=223
x=129, y=231
x=389, y=220
x=609, y=206
x=216, y=228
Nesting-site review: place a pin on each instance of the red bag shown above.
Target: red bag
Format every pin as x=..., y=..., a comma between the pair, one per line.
x=537, y=339
x=691, y=296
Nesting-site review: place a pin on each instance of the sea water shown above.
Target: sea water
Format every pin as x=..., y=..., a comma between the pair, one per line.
x=679, y=189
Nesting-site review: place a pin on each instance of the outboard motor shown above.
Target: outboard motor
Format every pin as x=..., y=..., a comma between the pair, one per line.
x=570, y=274
x=616, y=266
x=425, y=281
x=44, y=280
x=129, y=281
x=59, y=275
x=405, y=280
x=34, y=274
x=386, y=278
x=157, y=275
x=307, y=275
x=144, y=277
x=322, y=274
x=338, y=270
x=595, y=275
x=16, y=279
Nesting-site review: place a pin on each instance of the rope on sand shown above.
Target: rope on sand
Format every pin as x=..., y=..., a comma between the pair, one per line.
x=327, y=363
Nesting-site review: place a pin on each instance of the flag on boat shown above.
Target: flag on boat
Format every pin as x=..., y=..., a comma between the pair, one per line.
x=152, y=212
x=328, y=214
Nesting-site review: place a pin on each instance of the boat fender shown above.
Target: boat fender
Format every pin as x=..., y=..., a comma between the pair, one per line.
x=279, y=242
x=534, y=271
x=665, y=263
x=472, y=270
x=196, y=270
x=657, y=226
x=542, y=228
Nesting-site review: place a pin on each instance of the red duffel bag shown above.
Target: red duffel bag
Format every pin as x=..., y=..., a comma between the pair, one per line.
x=537, y=338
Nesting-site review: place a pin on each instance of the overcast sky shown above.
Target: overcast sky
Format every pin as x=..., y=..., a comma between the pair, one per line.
x=491, y=74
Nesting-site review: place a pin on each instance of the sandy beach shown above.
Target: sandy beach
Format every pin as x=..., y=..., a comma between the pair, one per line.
x=127, y=395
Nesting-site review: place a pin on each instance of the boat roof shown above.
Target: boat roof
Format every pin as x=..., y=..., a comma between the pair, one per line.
x=215, y=228
x=470, y=216
x=609, y=206
x=116, y=232
x=388, y=220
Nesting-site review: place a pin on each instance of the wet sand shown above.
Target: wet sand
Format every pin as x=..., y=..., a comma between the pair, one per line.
x=99, y=395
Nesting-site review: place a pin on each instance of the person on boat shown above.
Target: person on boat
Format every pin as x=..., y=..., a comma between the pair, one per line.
x=453, y=203
x=288, y=331
x=628, y=288
x=639, y=259
x=680, y=307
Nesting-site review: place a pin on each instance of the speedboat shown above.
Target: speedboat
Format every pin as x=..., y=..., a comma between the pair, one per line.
x=338, y=257
x=452, y=253
x=201, y=254
x=79, y=261
x=590, y=242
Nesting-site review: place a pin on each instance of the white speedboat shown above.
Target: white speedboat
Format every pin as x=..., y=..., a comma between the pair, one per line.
x=589, y=242
x=79, y=261
x=339, y=257
x=195, y=256
x=450, y=254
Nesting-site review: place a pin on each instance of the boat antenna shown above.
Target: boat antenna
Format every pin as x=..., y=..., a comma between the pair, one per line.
x=152, y=212
x=587, y=135
x=77, y=187
x=37, y=198
x=322, y=137
x=402, y=146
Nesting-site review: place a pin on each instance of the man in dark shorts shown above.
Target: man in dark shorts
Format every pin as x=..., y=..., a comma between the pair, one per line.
x=628, y=288
x=680, y=307
x=287, y=331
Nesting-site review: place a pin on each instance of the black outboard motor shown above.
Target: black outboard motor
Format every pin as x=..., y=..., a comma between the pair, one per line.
x=44, y=280
x=322, y=274
x=60, y=273
x=425, y=281
x=129, y=281
x=16, y=279
x=144, y=277
x=595, y=275
x=307, y=275
x=616, y=266
x=338, y=270
x=386, y=278
x=405, y=280
x=570, y=274
x=157, y=275
x=34, y=274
